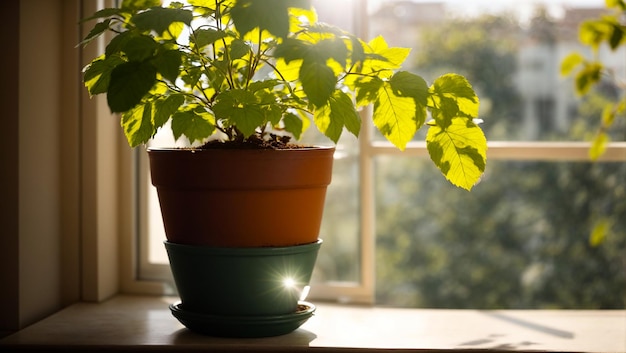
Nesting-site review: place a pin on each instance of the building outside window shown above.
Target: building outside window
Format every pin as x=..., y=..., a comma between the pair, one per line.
x=397, y=234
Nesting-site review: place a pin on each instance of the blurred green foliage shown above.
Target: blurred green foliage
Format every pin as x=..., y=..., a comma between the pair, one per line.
x=521, y=238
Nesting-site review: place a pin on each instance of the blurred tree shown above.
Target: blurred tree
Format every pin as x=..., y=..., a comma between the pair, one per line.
x=519, y=239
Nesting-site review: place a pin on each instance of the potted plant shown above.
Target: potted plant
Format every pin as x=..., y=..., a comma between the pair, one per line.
x=242, y=81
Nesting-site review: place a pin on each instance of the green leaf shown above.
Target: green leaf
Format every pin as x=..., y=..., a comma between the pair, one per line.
x=159, y=19
x=262, y=85
x=140, y=48
x=459, y=151
x=331, y=48
x=250, y=14
x=96, y=31
x=203, y=37
x=130, y=82
x=598, y=145
x=240, y=108
x=599, y=232
x=587, y=77
x=117, y=43
x=104, y=13
x=137, y=125
x=196, y=127
x=452, y=96
x=238, y=48
x=293, y=125
x=136, y=5
x=97, y=75
x=337, y=114
x=594, y=32
x=460, y=91
x=570, y=62
x=395, y=116
x=318, y=81
x=168, y=64
x=291, y=49
x=367, y=89
x=165, y=108
x=617, y=35
x=406, y=84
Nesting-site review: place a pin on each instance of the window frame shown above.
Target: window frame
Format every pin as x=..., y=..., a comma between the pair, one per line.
x=362, y=292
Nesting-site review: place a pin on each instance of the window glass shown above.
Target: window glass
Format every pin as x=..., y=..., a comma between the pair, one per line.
x=511, y=52
x=520, y=239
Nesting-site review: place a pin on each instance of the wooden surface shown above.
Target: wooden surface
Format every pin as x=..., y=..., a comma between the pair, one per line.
x=134, y=323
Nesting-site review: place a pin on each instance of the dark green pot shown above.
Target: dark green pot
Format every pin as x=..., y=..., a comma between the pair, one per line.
x=241, y=282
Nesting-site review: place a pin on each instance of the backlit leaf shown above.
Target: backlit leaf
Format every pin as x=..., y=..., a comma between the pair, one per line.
x=129, y=83
x=97, y=75
x=318, y=81
x=250, y=14
x=598, y=145
x=395, y=116
x=159, y=19
x=459, y=151
x=570, y=62
x=337, y=114
x=195, y=126
x=137, y=125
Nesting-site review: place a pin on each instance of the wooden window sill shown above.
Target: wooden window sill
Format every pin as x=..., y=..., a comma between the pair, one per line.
x=135, y=323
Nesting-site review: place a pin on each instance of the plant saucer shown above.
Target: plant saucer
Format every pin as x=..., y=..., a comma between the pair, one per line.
x=243, y=326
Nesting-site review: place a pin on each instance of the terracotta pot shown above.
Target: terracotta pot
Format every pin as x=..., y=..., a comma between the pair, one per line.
x=241, y=198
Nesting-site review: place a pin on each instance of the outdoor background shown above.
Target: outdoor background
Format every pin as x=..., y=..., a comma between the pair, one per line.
x=520, y=239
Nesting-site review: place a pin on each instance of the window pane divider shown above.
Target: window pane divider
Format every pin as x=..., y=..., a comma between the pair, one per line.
x=517, y=150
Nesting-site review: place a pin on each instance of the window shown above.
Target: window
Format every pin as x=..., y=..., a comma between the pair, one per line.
x=396, y=233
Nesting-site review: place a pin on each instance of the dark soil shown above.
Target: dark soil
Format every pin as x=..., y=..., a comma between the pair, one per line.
x=274, y=142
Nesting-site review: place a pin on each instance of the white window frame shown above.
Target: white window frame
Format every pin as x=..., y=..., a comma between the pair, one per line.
x=159, y=280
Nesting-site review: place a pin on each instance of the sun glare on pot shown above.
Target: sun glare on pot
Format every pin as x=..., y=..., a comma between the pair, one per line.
x=291, y=284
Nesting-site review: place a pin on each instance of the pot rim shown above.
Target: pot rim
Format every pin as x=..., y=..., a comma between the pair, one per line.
x=244, y=251
x=235, y=150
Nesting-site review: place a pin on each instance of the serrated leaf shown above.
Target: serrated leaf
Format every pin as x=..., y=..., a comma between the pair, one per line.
x=250, y=14
x=106, y=12
x=291, y=49
x=117, y=43
x=97, y=30
x=395, y=116
x=137, y=125
x=332, y=49
x=97, y=75
x=458, y=91
x=165, y=108
x=136, y=5
x=129, y=84
x=238, y=48
x=381, y=57
x=139, y=48
x=406, y=84
x=294, y=125
x=203, y=37
x=318, y=81
x=240, y=108
x=196, y=127
x=366, y=90
x=168, y=64
x=159, y=19
x=459, y=151
x=337, y=114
